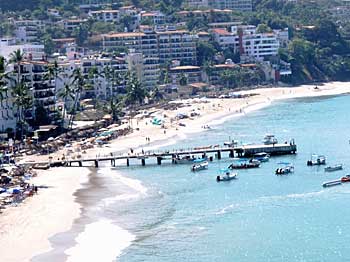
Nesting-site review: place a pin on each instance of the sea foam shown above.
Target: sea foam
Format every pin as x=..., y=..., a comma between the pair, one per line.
x=100, y=241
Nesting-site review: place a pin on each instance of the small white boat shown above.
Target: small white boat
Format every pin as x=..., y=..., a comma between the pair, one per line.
x=226, y=175
x=333, y=168
x=332, y=183
x=270, y=140
x=262, y=157
x=285, y=170
x=199, y=166
x=316, y=160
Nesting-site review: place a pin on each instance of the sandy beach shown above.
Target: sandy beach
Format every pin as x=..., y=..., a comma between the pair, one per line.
x=25, y=229
x=54, y=210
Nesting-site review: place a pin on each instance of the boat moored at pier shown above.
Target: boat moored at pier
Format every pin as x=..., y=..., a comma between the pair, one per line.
x=262, y=157
x=270, y=140
x=245, y=164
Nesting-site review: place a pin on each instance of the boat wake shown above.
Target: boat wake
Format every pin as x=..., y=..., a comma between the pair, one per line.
x=270, y=200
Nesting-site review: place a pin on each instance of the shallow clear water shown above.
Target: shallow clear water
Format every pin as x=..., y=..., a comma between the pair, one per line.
x=258, y=217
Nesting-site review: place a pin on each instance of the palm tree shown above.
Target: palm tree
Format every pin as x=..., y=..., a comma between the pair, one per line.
x=53, y=72
x=79, y=83
x=22, y=98
x=66, y=93
x=16, y=58
x=116, y=105
x=135, y=93
x=3, y=77
x=156, y=95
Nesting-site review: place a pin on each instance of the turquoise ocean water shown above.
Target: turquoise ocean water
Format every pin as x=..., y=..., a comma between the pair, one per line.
x=187, y=216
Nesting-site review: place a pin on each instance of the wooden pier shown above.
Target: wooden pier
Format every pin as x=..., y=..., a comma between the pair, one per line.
x=159, y=156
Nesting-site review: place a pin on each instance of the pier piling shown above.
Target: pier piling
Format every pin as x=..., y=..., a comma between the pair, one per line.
x=159, y=160
x=127, y=162
x=80, y=164
x=143, y=162
x=96, y=163
x=219, y=154
x=232, y=154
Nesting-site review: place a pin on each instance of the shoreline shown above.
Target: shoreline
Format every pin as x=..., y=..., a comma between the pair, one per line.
x=28, y=227
x=214, y=112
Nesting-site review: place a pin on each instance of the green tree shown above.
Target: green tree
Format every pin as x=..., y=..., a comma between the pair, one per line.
x=205, y=52
x=135, y=93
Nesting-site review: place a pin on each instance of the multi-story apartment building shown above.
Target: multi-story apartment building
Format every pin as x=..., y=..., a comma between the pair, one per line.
x=156, y=17
x=143, y=42
x=167, y=45
x=43, y=90
x=107, y=16
x=258, y=46
x=177, y=45
x=192, y=74
x=30, y=51
x=107, y=75
x=71, y=24
x=239, y=5
x=195, y=4
x=147, y=69
x=247, y=42
x=27, y=31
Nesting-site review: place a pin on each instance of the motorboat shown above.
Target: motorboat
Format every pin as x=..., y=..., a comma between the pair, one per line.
x=332, y=183
x=285, y=170
x=188, y=159
x=316, y=160
x=200, y=166
x=226, y=175
x=270, y=139
x=252, y=163
x=232, y=143
x=334, y=168
x=262, y=157
x=345, y=179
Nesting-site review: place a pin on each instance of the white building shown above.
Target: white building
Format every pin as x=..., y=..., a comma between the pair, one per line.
x=30, y=51
x=7, y=112
x=156, y=17
x=107, y=16
x=239, y=5
x=27, y=31
x=147, y=69
x=195, y=4
x=248, y=43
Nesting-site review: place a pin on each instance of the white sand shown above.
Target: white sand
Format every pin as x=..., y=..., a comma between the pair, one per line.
x=25, y=229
